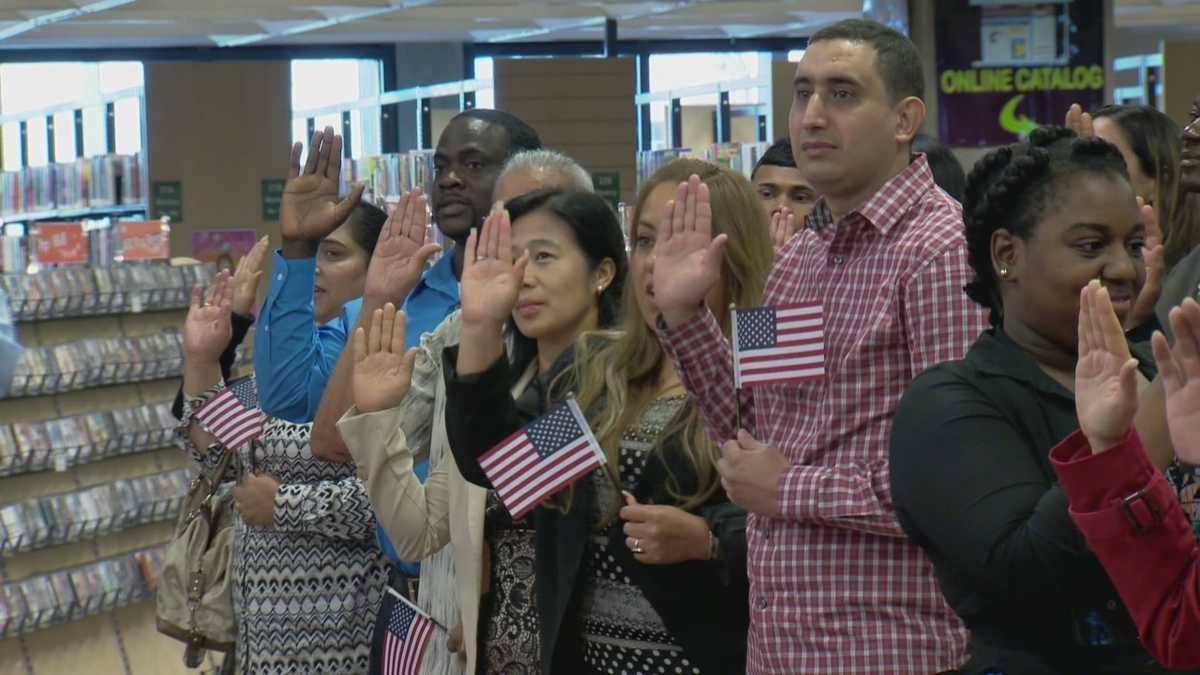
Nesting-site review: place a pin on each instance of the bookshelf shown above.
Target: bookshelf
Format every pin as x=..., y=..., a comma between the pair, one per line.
x=90, y=478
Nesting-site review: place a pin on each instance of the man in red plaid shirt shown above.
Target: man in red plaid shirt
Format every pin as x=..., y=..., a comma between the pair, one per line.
x=835, y=585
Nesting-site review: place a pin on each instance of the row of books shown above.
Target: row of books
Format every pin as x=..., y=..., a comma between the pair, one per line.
x=389, y=176
x=72, y=291
x=97, y=362
x=103, y=509
x=74, y=593
x=87, y=182
x=65, y=442
x=740, y=157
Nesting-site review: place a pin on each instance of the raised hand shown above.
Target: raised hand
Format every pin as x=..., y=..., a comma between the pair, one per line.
x=783, y=226
x=310, y=209
x=401, y=252
x=1105, y=374
x=207, y=329
x=1080, y=122
x=1179, y=367
x=491, y=280
x=687, y=257
x=1152, y=255
x=382, y=369
x=245, y=279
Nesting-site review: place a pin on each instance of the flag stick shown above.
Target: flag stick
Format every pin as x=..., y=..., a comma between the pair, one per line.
x=737, y=389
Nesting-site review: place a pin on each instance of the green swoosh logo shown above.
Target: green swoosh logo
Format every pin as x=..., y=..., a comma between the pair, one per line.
x=1021, y=126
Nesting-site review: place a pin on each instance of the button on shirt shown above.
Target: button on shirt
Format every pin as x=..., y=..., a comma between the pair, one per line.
x=835, y=587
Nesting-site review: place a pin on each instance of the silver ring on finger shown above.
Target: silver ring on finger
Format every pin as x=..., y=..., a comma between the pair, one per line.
x=637, y=546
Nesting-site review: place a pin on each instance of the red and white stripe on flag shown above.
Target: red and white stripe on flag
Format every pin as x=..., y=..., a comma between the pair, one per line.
x=231, y=422
x=541, y=459
x=778, y=345
x=408, y=630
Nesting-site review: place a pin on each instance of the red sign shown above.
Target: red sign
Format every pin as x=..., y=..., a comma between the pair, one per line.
x=149, y=240
x=61, y=244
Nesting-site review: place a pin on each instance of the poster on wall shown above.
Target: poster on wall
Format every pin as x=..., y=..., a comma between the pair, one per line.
x=222, y=247
x=1006, y=68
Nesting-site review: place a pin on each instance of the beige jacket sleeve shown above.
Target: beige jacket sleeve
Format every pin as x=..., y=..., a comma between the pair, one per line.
x=415, y=516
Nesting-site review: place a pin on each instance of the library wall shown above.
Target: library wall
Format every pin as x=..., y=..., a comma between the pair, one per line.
x=1181, y=79
x=583, y=107
x=219, y=129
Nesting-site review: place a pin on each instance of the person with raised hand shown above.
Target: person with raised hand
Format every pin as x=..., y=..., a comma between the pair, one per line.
x=882, y=252
x=649, y=548
x=567, y=281
x=244, y=293
x=970, y=474
x=316, y=284
x=1126, y=510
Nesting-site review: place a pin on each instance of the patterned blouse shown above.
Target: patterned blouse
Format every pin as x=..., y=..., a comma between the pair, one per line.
x=306, y=590
x=622, y=632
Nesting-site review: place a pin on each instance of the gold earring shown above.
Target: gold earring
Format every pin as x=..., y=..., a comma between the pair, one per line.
x=1004, y=271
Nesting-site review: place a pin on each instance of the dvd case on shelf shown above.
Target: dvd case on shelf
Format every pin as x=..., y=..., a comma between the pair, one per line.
x=76, y=592
x=64, y=442
x=102, y=509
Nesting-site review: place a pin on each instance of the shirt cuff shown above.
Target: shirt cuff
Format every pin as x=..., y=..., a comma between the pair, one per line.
x=691, y=339
x=1093, y=482
x=797, y=487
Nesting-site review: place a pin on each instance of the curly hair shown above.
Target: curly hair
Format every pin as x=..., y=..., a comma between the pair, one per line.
x=1011, y=187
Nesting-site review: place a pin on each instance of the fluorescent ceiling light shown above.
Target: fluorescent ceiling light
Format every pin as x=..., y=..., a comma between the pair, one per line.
x=334, y=18
x=60, y=16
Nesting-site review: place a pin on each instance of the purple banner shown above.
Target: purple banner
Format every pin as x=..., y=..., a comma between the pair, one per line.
x=1005, y=69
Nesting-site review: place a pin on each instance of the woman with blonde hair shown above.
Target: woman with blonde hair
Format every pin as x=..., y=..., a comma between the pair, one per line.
x=640, y=566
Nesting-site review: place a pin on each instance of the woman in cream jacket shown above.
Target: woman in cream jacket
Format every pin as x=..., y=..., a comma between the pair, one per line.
x=417, y=517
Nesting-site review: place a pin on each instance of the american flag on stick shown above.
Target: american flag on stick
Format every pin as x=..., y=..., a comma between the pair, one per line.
x=547, y=455
x=233, y=415
x=778, y=345
x=408, y=632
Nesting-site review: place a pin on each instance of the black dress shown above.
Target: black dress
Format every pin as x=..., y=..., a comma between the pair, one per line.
x=702, y=604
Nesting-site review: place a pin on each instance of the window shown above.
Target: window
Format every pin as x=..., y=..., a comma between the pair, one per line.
x=23, y=90
x=322, y=83
x=744, y=74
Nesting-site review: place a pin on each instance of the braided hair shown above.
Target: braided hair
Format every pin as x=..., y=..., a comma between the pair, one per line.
x=1011, y=187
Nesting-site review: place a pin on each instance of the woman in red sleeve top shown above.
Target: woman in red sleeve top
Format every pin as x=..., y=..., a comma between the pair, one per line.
x=1122, y=504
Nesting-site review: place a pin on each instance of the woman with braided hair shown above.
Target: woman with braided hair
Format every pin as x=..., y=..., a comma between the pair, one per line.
x=970, y=472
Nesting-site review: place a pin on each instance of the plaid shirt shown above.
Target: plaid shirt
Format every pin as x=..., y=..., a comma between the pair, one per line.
x=835, y=587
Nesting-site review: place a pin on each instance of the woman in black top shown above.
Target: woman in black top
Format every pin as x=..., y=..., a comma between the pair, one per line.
x=970, y=471
x=652, y=580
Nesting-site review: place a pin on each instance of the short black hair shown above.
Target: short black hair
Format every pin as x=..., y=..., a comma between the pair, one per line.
x=366, y=221
x=1011, y=187
x=896, y=57
x=521, y=136
x=779, y=154
x=947, y=170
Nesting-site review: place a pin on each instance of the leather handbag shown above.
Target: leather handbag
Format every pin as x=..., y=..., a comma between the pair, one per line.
x=194, y=595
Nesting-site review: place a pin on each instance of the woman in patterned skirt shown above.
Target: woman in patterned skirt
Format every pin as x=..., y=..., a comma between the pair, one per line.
x=309, y=576
x=640, y=567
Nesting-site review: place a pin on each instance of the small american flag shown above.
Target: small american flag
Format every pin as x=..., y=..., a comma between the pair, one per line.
x=777, y=345
x=541, y=459
x=408, y=632
x=233, y=415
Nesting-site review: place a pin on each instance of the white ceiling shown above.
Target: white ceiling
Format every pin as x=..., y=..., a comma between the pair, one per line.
x=177, y=23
